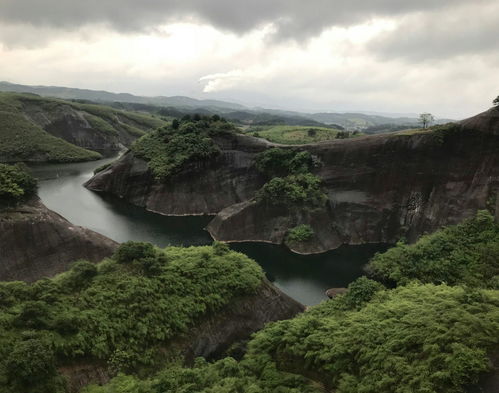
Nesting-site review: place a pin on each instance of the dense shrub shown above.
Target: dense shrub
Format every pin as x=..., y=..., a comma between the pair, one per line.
x=294, y=190
x=16, y=184
x=168, y=149
x=114, y=315
x=360, y=291
x=282, y=162
x=419, y=338
x=301, y=233
x=131, y=251
x=460, y=254
x=224, y=376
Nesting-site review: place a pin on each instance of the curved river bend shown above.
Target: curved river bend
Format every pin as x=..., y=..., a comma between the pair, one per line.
x=304, y=278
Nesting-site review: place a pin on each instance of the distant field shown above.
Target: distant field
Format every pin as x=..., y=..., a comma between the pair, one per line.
x=295, y=135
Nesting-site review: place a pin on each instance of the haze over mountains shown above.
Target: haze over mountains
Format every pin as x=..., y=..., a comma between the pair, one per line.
x=233, y=111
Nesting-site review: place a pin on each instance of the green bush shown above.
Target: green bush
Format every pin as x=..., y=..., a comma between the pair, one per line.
x=300, y=234
x=16, y=184
x=282, y=162
x=294, y=190
x=131, y=251
x=360, y=291
x=461, y=254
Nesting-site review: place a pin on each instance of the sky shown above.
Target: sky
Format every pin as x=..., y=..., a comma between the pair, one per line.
x=437, y=56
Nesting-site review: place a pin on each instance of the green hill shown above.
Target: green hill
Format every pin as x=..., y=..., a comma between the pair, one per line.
x=33, y=128
x=21, y=140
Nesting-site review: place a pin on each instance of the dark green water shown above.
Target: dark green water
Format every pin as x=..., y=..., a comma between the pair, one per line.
x=304, y=278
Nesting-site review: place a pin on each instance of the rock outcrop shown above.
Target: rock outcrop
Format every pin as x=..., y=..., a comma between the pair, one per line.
x=379, y=188
x=202, y=188
x=211, y=336
x=36, y=242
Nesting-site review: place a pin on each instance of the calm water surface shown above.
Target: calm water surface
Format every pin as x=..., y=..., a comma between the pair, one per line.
x=304, y=278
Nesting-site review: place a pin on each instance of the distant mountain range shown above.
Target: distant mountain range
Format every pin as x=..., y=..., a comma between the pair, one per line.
x=178, y=105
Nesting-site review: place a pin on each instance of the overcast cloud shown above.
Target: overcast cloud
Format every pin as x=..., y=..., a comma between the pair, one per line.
x=382, y=55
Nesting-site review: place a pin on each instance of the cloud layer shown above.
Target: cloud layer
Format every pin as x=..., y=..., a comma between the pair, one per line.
x=382, y=55
x=293, y=18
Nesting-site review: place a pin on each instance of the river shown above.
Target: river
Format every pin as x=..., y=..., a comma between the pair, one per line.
x=304, y=278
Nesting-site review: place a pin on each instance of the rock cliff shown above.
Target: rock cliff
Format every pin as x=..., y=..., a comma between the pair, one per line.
x=35, y=242
x=379, y=188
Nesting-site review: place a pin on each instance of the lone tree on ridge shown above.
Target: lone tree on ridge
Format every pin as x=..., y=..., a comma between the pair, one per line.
x=426, y=119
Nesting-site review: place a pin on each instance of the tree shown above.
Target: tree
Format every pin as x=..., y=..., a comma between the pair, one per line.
x=426, y=119
x=175, y=124
x=496, y=101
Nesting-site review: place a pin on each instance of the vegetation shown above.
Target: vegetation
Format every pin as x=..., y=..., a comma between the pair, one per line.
x=464, y=254
x=296, y=135
x=291, y=183
x=417, y=338
x=21, y=140
x=168, y=149
x=16, y=185
x=299, y=234
x=294, y=190
x=439, y=133
x=426, y=120
x=101, y=168
x=496, y=101
x=224, y=376
x=282, y=162
x=120, y=312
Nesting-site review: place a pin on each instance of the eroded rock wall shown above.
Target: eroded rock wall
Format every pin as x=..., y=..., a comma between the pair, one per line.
x=380, y=188
x=36, y=242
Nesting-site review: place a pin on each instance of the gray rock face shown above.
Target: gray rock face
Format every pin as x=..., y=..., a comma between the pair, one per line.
x=379, y=188
x=35, y=242
x=72, y=125
x=200, y=189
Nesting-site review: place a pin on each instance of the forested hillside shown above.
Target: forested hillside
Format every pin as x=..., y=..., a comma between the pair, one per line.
x=414, y=338
x=33, y=128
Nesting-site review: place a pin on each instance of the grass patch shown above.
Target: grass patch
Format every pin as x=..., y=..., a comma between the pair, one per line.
x=296, y=135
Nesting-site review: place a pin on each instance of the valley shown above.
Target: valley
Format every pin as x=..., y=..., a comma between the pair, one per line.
x=196, y=258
